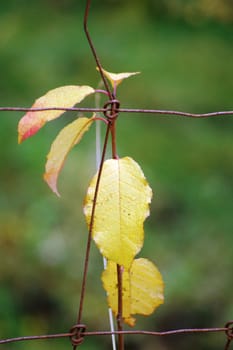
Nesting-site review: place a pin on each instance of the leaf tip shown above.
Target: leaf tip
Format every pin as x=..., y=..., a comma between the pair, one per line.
x=117, y=78
x=51, y=181
x=20, y=140
x=28, y=126
x=130, y=321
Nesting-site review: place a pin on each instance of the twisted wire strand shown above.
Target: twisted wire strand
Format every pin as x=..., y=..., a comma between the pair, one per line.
x=228, y=330
x=120, y=110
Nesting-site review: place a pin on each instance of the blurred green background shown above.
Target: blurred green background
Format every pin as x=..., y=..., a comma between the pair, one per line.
x=185, y=53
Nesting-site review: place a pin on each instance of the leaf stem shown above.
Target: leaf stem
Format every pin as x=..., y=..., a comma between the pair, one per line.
x=102, y=119
x=100, y=91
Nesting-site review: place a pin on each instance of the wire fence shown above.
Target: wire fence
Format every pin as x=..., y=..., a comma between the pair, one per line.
x=111, y=110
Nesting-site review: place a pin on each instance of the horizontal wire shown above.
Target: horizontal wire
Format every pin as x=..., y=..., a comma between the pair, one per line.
x=102, y=333
x=120, y=110
x=35, y=337
x=164, y=333
x=65, y=109
x=178, y=113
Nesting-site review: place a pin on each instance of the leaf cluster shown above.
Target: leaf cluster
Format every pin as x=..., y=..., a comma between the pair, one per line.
x=115, y=207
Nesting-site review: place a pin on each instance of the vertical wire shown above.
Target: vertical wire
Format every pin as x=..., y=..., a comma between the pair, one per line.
x=92, y=47
x=98, y=160
x=91, y=225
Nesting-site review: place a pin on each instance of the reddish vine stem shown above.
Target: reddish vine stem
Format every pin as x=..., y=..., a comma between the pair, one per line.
x=120, y=307
x=113, y=135
x=114, y=116
x=111, y=116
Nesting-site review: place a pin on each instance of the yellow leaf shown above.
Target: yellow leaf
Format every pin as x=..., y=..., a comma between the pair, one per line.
x=122, y=206
x=116, y=79
x=69, y=136
x=142, y=289
x=63, y=97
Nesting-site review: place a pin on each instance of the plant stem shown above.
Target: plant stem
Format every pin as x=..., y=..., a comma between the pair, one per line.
x=113, y=135
x=100, y=91
x=98, y=162
x=120, y=307
x=112, y=124
x=112, y=121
